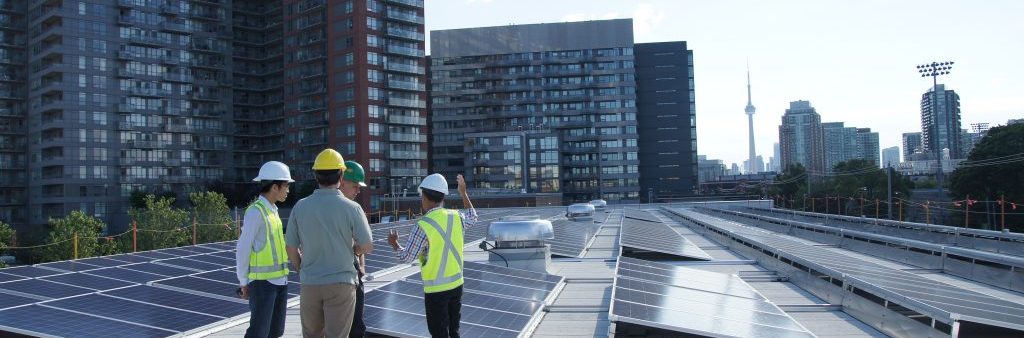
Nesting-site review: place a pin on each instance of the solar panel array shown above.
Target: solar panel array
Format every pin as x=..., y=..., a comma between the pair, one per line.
x=943, y=301
x=109, y=296
x=693, y=301
x=643, y=231
x=496, y=302
x=572, y=237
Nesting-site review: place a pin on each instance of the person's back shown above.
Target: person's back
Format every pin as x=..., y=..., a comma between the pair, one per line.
x=324, y=225
x=320, y=235
x=442, y=268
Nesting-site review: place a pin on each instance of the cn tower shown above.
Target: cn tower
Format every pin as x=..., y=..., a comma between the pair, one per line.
x=750, y=123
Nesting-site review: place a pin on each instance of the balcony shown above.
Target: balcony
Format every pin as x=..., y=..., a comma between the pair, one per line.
x=580, y=163
x=408, y=155
x=170, y=10
x=125, y=126
x=178, y=128
x=410, y=120
x=144, y=144
x=409, y=103
x=414, y=52
x=174, y=27
x=314, y=141
x=148, y=40
x=401, y=67
x=407, y=17
x=403, y=137
x=152, y=92
x=412, y=3
x=407, y=85
x=178, y=179
x=207, y=64
x=408, y=172
x=173, y=77
x=405, y=34
x=205, y=96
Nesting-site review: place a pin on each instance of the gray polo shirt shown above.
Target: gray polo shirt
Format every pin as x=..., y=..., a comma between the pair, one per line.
x=323, y=226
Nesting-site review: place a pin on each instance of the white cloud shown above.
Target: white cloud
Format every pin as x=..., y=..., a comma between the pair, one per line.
x=645, y=19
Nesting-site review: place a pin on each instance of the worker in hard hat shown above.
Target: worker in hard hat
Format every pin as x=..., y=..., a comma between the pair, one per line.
x=260, y=261
x=325, y=233
x=437, y=239
x=352, y=181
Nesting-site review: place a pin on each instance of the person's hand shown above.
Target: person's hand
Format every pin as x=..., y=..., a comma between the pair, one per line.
x=243, y=292
x=393, y=239
x=462, y=183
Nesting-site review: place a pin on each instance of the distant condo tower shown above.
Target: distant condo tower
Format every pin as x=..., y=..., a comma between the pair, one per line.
x=750, y=122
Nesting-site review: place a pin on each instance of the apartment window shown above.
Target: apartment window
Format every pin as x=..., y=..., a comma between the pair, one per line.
x=82, y=80
x=375, y=111
x=373, y=58
x=376, y=129
x=375, y=93
x=376, y=164
x=375, y=147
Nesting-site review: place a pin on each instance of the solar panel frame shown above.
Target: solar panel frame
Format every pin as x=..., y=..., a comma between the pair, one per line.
x=127, y=275
x=41, y=289
x=135, y=312
x=185, y=301
x=10, y=278
x=69, y=266
x=658, y=237
x=102, y=262
x=88, y=281
x=9, y=300
x=30, y=271
x=38, y=320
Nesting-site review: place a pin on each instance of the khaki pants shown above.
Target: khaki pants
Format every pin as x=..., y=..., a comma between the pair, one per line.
x=326, y=310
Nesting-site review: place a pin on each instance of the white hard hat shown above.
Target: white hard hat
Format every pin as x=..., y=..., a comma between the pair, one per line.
x=435, y=182
x=274, y=171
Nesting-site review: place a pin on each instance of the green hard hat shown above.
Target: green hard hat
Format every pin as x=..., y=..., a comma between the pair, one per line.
x=354, y=173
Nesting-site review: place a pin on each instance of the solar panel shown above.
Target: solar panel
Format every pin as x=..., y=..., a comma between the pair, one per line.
x=102, y=262
x=42, y=289
x=151, y=255
x=491, y=308
x=39, y=320
x=29, y=271
x=209, y=258
x=126, y=275
x=656, y=295
x=7, y=300
x=640, y=215
x=7, y=278
x=658, y=237
x=187, y=263
x=131, y=258
x=571, y=238
x=159, y=269
x=200, y=285
x=225, y=254
x=88, y=281
x=224, y=275
x=135, y=312
x=179, y=300
x=69, y=266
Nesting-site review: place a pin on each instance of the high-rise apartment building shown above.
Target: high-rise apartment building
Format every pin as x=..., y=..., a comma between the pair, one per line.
x=539, y=108
x=13, y=112
x=801, y=137
x=940, y=121
x=911, y=145
x=175, y=96
x=890, y=157
x=667, y=119
x=867, y=146
x=847, y=143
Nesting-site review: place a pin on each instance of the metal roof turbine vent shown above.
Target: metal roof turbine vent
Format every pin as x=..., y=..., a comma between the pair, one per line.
x=580, y=212
x=599, y=204
x=520, y=242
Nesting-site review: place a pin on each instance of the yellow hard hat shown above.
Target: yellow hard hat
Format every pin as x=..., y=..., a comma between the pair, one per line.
x=329, y=159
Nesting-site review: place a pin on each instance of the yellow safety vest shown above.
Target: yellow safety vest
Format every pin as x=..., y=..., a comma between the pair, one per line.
x=442, y=270
x=270, y=261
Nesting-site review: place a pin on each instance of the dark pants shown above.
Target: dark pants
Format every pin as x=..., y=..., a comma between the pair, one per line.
x=444, y=310
x=358, y=326
x=268, y=304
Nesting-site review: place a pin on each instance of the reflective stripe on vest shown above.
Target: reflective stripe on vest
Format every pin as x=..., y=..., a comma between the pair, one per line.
x=269, y=261
x=444, y=243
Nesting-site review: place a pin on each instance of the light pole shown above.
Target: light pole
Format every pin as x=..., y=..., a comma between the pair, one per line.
x=935, y=69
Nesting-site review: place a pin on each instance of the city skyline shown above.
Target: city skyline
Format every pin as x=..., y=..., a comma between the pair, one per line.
x=866, y=50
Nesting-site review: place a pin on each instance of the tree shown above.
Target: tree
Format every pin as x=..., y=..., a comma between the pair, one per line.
x=992, y=171
x=160, y=225
x=6, y=233
x=213, y=218
x=60, y=244
x=791, y=183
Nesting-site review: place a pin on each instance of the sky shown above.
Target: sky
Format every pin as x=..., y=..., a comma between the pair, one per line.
x=855, y=61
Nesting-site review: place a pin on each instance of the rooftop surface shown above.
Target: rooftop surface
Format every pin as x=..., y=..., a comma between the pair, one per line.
x=706, y=269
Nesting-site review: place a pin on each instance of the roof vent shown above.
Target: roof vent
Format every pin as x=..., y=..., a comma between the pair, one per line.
x=520, y=242
x=580, y=212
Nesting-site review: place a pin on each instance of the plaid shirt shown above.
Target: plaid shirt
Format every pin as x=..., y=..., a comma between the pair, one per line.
x=418, y=239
